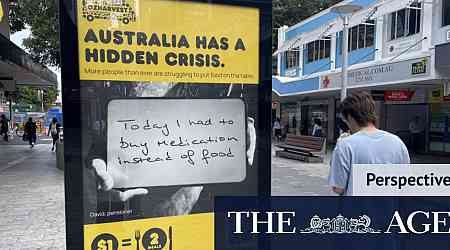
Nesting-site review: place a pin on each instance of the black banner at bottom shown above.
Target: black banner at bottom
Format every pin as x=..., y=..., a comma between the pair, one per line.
x=332, y=223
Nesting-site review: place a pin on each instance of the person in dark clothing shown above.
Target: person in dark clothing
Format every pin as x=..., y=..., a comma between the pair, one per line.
x=54, y=129
x=4, y=128
x=294, y=124
x=30, y=130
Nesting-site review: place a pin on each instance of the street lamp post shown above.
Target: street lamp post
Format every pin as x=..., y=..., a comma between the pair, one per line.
x=344, y=12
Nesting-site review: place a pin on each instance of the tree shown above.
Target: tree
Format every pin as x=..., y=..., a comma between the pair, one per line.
x=29, y=96
x=41, y=17
x=290, y=12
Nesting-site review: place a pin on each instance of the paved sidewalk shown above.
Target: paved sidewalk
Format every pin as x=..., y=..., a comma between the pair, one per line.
x=297, y=178
x=31, y=199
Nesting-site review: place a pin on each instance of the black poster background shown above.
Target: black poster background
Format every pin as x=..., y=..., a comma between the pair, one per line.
x=84, y=106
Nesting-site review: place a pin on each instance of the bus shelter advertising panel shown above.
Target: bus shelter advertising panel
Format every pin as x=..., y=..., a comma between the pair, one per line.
x=167, y=106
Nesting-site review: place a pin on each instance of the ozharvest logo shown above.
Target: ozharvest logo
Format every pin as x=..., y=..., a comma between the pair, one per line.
x=120, y=10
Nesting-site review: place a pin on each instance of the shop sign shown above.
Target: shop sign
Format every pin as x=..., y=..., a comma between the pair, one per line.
x=438, y=96
x=119, y=42
x=379, y=74
x=398, y=95
x=419, y=67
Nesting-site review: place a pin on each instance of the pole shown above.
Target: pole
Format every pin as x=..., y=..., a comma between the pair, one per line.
x=344, y=59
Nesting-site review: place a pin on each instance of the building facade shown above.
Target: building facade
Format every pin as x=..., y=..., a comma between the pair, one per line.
x=399, y=51
x=17, y=68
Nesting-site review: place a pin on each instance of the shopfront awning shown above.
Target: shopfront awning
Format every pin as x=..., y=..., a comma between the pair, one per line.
x=16, y=65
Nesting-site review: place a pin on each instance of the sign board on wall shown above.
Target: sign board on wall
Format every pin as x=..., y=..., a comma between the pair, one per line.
x=147, y=144
x=379, y=74
x=398, y=95
x=124, y=43
x=169, y=104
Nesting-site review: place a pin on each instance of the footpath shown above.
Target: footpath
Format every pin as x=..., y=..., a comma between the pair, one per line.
x=31, y=198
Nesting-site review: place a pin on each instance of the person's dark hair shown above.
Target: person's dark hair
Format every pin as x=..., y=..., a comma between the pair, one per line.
x=361, y=107
x=54, y=120
x=30, y=119
x=318, y=122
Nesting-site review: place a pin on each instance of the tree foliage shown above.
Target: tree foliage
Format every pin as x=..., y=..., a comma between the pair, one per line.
x=290, y=12
x=41, y=17
x=30, y=96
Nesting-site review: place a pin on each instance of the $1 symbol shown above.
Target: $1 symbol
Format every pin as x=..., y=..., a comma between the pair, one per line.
x=105, y=245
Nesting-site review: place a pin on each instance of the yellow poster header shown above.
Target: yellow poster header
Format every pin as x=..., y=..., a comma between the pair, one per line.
x=168, y=41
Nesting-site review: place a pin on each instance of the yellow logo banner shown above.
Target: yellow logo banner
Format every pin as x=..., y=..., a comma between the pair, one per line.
x=166, y=233
x=169, y=41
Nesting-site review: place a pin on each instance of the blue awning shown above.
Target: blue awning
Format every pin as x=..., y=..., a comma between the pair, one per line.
x=282, y=87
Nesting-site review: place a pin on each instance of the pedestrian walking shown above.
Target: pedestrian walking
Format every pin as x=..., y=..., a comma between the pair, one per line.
x=277, y=129
x=294, y=124
x=365, y=145
x=317, y=128
x=30, y=130
x=4, y=127
x=54, y=130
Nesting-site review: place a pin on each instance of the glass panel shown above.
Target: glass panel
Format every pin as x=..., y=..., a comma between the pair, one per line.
x=445, y=12
x=327, y=47
x=322, y=49
x=316, y=50
x=361, y=36
x=310, y=51
x=370, y=35
x=393, y=19
x=354, y=32
x=418, y=20
x=412, y=22
x=401, y=23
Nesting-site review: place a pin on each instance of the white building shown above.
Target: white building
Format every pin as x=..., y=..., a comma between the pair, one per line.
x=399, y=50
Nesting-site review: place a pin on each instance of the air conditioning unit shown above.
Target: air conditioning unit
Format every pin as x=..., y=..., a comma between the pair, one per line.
x=448, y=35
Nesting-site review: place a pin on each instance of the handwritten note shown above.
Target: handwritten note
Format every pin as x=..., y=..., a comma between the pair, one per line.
x=165, y=142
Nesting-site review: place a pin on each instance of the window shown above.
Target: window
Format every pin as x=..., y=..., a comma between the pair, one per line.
x=405, y=22
x=360, y=36
x=292, y=58
x=319, y=49
x=445, y=12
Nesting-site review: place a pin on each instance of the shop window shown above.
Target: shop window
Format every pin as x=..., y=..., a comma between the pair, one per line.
x=292, y=58
x=405, y=22
x=319, y=49
x=445, y=12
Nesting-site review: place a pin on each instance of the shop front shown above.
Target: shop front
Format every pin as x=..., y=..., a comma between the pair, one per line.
x=439, y=131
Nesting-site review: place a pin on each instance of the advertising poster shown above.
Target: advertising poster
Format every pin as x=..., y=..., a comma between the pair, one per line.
x=172, y=99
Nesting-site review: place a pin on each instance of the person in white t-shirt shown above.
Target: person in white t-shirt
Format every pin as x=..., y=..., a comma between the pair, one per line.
x=365, y=145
